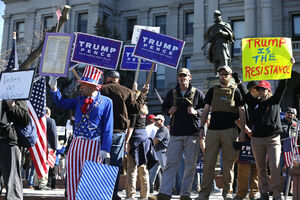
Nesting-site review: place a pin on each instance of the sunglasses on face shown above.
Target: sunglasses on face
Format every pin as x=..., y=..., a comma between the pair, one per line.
x=223, y=74
x=182, y=75
x=290, y=113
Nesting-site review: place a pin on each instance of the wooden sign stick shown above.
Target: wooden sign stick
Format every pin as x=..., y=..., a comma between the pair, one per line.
x=150, y=74
x=137, y=72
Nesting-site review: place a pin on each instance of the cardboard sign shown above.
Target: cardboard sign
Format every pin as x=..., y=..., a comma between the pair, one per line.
x=267, y=58
x=159, y=48
x=137, y=30
x=56, y=54
x=130, y=63
x=97, y=181
x=97, y=51
x=16, y=84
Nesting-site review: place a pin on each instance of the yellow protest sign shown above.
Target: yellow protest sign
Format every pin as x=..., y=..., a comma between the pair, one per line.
x=266, y=58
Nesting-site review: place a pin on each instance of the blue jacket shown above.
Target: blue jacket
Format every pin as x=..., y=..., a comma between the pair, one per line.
x=97, y=122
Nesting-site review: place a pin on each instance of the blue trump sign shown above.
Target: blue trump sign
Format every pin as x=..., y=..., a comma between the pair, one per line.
x=246, y=154
x=97, y=51
x=159, y=48
x=130, y=63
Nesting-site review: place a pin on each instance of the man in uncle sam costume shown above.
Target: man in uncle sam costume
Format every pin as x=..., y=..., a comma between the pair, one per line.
x=93, y=126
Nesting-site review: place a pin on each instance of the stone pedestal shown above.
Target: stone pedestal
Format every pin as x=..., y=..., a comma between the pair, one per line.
x=295, y=173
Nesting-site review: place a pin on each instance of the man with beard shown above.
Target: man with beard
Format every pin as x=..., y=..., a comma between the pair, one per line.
x=225, y=101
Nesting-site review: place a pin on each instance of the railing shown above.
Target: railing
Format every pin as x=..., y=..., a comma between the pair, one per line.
x=296, y=45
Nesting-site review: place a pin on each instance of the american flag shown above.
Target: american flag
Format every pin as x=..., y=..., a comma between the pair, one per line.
x=37, y=109
x=13, y=59
x=51, y=158
x=287, y=146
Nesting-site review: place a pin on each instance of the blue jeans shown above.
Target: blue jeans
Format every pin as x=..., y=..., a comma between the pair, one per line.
x=281, y=166
x=179, y=176
x=162, y=161
x=31, y=175
x=117, y=154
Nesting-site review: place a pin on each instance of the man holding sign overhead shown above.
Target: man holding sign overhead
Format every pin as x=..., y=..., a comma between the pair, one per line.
x=93, y=126
x=266, y=129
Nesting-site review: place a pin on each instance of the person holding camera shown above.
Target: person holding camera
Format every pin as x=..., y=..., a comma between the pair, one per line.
x=226, y=103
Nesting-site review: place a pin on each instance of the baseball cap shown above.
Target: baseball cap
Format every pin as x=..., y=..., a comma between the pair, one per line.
x=264, y=84
x=226, y=68
x=291, y=110
x=161, y=117
x=150, y=118
x=252, y=84
x=184, y=71
x=113, y=74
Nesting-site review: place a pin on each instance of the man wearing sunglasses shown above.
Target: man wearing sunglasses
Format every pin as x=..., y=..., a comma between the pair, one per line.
x=289, y=127
x=225, y=101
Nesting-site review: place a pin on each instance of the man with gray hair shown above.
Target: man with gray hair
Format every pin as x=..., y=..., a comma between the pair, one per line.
x=161, y=141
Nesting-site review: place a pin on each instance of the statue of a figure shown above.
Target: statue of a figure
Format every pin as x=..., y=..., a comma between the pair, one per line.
x=220, y=36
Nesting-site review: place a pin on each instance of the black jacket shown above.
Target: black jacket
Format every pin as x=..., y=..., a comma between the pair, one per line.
x=51, y=133
x=124, y=104
x=18, y=115
x=266, y=114
x=182, y=123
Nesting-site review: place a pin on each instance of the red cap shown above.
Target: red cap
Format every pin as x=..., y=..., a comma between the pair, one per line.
x=150, y=118
x=264, y=84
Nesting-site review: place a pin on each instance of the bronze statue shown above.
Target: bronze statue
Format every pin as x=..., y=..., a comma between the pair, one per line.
x=220, y=36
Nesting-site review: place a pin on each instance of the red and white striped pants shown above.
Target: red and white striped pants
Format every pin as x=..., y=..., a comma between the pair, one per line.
x=80, y=151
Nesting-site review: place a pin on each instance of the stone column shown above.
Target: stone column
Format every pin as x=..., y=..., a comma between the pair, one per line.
x=29, y=26
x=93, y=15
x=198, y=26
x=266, y=17
x=172, y=20
x=212, y=6
x=5, y=36
x=250, y=18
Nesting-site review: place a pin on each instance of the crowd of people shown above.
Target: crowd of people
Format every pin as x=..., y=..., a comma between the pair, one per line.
x=241, y=124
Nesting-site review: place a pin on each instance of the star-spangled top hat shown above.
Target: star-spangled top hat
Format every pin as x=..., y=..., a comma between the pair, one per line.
x=91, y=75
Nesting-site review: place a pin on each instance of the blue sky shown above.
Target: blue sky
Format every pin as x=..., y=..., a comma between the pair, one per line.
x=2, y=7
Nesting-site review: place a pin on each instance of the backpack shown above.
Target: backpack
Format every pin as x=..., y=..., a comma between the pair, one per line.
x=27, y=136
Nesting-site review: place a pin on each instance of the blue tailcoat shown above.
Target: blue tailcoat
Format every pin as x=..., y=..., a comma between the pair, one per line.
x=97, y=122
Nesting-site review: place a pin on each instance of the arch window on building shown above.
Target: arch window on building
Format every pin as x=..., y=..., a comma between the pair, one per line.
x=82, y=22
x=189, y=21
x=296, y=27
x=48, y=22
x=238, y=27
x=20, y=30
x=130, y=22
x=161, y=21
x=159, y=77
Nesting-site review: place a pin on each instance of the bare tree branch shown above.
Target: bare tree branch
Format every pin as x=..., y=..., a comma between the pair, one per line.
x=37, y=52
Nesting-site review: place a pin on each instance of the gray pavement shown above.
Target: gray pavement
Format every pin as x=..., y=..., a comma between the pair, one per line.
x=59, y=194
